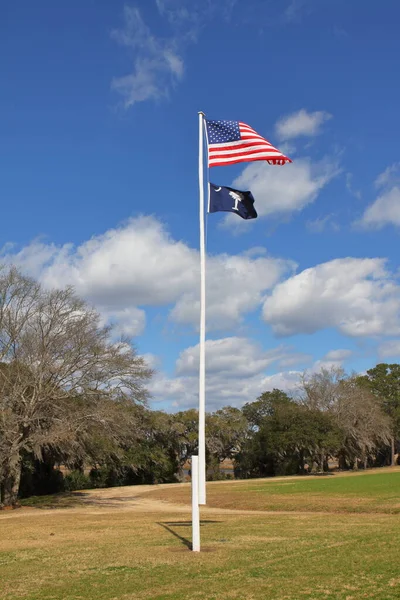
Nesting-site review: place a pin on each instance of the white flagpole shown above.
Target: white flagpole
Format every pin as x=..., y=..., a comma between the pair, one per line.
x=202, y=365
x=195, y=505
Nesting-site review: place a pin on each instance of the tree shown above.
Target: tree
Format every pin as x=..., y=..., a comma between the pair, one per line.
x=264, y=406
x=320, y=390
x=256, y=458
x=185, y=432
x=298, y=435
x=285, y=435
x=384, y=382
x=62, y=377
x=226, y=431
x=364, y=424
x=355, y=409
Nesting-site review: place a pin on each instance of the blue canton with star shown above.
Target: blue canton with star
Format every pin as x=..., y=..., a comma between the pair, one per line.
x=220, y=132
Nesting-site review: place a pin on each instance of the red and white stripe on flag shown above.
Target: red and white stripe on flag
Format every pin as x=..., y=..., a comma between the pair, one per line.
x=250, y=147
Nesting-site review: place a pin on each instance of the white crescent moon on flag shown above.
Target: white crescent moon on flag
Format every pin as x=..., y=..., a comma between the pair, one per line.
x=217, y=189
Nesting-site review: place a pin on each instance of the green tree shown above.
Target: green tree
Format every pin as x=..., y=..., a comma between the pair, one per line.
x=264, y=406
x=185, y=432
x=226, y=431
x=298, y=435
x=285, y=436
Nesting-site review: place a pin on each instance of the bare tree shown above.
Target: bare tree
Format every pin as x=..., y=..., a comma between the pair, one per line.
x=360, y=416
x=319, y=391
x=59, y=371
x=357, y=412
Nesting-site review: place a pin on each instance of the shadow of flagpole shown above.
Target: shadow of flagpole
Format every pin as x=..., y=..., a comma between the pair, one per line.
x=168, y=525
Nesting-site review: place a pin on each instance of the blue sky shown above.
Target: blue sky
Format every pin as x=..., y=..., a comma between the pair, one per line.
x=98, y=181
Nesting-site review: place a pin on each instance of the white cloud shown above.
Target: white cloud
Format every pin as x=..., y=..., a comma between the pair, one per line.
x=31, y=258
x=235, y=285
x=339, y=355
x=280, y=190
x=357, y=296
x=139, y=265
x=236, y=372
x=136, y=264
x=152, y=360
x=384, y=211
x=157, y=65
x=237, y=357
x=301, y=123
x=390, y=348
x=129, y=321
x=332, y=360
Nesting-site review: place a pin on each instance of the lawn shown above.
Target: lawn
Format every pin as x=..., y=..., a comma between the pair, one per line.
x=377, y=491
x=114, y=551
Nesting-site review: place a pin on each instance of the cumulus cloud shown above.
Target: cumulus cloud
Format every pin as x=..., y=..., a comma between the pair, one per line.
x=139, y=264
x=332, y=360
x=301, y=123
x=129, y=322
x=282, y=190
x=236, y=357
x=235, y=286
x=237, y=372
x=357, y=296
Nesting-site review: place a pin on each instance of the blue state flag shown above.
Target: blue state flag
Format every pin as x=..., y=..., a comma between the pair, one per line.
x=229, y=200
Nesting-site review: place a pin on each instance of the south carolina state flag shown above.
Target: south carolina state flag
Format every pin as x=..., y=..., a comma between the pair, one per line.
x=229, y=200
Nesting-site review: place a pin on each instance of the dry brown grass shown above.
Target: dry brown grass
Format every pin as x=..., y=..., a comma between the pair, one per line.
x=120, y=544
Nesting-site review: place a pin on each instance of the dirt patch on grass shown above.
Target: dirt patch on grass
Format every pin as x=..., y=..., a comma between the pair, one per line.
x=258, y=496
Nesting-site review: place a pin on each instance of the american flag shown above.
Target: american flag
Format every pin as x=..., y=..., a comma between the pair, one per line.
x=232, y=142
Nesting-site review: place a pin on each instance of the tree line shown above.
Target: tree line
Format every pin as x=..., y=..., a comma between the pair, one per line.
x=74, y=412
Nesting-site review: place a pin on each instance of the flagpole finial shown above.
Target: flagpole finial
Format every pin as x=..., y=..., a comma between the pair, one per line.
x=201, y=113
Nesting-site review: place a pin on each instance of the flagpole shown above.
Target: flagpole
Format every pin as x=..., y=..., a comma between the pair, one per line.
x=195, y=504
x=202, y=362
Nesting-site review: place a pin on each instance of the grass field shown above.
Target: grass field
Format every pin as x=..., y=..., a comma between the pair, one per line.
x=378, y=491
x=128, y=543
